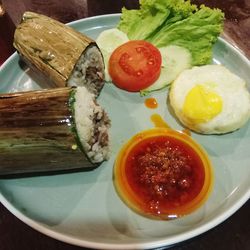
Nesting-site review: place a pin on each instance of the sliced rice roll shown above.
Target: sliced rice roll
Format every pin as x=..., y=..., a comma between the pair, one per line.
x=51, y=130
x=91, y=123
x=58, y=54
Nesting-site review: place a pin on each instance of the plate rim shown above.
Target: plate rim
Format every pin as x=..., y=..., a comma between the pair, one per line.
x=175, y=239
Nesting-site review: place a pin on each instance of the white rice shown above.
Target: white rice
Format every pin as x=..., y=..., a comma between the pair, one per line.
x=92, y=126
x=89, y=71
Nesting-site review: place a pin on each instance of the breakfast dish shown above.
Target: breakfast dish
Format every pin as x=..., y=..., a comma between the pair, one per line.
x=210, y=99
x=85, y=208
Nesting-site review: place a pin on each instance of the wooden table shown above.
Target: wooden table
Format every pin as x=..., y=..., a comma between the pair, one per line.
x=232, y=234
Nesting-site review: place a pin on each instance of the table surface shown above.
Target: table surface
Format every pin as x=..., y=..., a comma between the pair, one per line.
x=232, y=234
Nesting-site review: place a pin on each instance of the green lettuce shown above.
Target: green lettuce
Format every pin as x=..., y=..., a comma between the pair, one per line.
x=175, y=22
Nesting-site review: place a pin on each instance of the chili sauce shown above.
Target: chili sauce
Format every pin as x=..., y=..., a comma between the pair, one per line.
x=163, y=174
x=151, y=103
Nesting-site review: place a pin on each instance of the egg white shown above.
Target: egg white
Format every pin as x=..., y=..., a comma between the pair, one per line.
x=230, y=87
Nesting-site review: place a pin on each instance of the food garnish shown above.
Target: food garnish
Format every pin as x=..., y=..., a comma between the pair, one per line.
x=175, y=59
x=175, y=22
x=183, y=32
x=163, y=174
x=135, y=65
x=108, y=41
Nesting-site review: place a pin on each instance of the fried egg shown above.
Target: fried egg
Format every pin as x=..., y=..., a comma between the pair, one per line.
x=210, y=99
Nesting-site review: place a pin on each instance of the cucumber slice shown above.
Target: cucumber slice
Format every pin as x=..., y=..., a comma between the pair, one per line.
x=108, y=41
x=174, y=60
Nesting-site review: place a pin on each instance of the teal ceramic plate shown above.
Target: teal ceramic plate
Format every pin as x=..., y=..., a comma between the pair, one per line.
x=84, y=208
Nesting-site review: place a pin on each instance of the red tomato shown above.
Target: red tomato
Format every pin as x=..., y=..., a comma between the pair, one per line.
x=135, y=65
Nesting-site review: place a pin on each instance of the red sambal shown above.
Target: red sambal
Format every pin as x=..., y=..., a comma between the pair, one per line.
x=163, y=173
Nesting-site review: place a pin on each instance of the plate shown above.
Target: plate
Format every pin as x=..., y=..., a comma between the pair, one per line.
x=84, y=209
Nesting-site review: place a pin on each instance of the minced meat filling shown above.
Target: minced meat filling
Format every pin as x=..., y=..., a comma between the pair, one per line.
x=89, y=71
x=92, y=124
x=101, y=124
x=95, y=79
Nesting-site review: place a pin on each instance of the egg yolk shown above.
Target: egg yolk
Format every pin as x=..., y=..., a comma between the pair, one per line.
x=202, y=104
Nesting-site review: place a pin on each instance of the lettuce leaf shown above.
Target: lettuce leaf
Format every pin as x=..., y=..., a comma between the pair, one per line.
x=175, y=22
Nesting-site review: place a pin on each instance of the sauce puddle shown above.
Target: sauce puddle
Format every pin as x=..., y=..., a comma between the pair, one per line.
x=159, y=122
x=151, y=103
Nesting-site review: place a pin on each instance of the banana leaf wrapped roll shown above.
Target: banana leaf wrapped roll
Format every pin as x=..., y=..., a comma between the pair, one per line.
x=51, y=130
x=58, y=54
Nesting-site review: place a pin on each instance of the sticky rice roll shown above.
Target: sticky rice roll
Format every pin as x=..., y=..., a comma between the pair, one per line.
x=89, y=70
x=52, y=130
x=59, y=55
x=91, y=125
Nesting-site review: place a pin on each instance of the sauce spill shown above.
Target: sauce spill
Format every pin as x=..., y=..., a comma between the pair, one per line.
x=186, y=131
x=160, y=123
x=151, y=103
x=162, y=173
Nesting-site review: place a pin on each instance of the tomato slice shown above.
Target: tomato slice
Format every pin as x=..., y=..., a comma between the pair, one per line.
x=135, y=65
